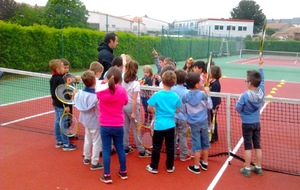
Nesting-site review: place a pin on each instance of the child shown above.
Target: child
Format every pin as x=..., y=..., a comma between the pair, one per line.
x=97, y=68
x=188, y=66
x=145, y=94
x=196, y=103
x=76, y=80
x=215, y=86
x=200, y=67
x=62, y=141
x=180, y=118
x=112, y=97
x=164, y=125
x=131, y=110
x=87, y=103
x=248, y=106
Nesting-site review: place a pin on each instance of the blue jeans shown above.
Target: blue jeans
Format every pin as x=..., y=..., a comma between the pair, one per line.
x=116, y=134
x=199, y=135
x=59, y=136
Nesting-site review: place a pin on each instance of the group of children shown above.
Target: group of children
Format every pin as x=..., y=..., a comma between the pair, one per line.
x=113, y=104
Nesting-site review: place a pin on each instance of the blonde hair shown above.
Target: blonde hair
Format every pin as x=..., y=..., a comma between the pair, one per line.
x=54, y=64
x=96, y=67
x=148, y=68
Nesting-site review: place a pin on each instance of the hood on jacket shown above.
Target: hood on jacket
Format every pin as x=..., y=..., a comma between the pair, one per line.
x=194, y=97
x=255, y=98
x=85, y=101
x=104, y=45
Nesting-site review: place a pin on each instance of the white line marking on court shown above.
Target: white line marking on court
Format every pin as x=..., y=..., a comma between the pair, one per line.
x=295, y=62
x=32, y=99
x=225, y=165
x=26, y=118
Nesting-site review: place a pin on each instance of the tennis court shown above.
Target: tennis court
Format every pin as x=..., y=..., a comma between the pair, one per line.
x=30, y=161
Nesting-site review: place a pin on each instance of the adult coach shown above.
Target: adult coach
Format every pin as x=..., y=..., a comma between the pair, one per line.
x=106, y=50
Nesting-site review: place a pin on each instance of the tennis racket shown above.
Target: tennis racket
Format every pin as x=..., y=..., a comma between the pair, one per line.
x=145, y=134
x=262, y=41
x=211, y=130
x=68, y=122
x=208, y=69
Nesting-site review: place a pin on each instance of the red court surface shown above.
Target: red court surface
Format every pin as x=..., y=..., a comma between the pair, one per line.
x=29, y=161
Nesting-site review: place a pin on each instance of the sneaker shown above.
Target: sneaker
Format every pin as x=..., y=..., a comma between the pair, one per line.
x=151, y=170
x=203, y=166
x=123, y=175
x=86, y=161
x=256, y=170
x=59, y=145
x=245, y=172
x=106, y=178
x=69, y=147
x=171, y=170
x=129, y=151
x=97, y=166
x=188, y=157
x=146, y=154
x=193, y=169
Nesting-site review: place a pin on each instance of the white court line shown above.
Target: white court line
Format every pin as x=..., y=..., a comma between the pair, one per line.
x=243, y=63
x=32, y=99
x=26, y=118
x=225, y=165
x=295, y=62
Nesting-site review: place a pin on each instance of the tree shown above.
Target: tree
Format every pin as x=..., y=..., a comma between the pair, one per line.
x=248, y=9
x=7, y=9
x=65, y=13
x=26, y=15
x=270, y=31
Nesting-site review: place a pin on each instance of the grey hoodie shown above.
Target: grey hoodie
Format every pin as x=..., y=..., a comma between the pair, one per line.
x=87, y=103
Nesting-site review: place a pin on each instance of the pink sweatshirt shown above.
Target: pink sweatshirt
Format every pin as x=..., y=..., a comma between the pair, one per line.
x=111, y=106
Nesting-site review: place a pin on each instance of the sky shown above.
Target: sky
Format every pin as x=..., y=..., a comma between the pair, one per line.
x=184, y=10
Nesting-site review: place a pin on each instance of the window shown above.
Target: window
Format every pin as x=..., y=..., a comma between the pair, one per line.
x=228, y=27
x=233, y=28
x=191, y=24
x=113, y=26
x=219, y=27
x=242, y=28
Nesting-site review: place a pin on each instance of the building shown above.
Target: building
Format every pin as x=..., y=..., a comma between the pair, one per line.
x=225, y=27
x=290, y=33
x=186, y=26
x=279, y=26
x=106, y=22
x=136, y=25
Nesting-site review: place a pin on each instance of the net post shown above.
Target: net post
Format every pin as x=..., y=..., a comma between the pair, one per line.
x=241, y=50
x=228, y=121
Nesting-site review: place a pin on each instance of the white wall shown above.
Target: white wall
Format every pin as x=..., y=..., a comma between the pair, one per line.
x=218, y=27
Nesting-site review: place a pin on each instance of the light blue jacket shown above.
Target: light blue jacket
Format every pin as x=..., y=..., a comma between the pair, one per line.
x=196, y=105
x=250, y=102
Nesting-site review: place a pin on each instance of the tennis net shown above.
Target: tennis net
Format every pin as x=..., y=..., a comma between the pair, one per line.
x=25, y=104
x=249, y=53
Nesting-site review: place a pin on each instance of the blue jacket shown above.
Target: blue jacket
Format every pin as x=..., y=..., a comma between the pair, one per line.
x=196, y=103
x=250, y=102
